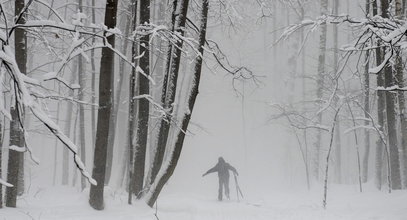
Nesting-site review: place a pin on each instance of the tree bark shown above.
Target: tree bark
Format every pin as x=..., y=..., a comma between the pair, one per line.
x=320, y=84
x=116, y=103
x=391, y=117
x=380, y=111
x=93, y=83
x=132, y=108
x=366, y=84
x=143, y=103
x=105, y=104
x=82, y=84
x=401, y=101
x=16, y=133
x=338, y=145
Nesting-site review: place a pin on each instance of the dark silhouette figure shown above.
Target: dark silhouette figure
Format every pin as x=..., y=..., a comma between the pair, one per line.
x=223, y=173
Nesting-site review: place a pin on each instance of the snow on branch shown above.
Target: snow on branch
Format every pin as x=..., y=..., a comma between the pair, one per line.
x=391, y=88
x=383, y=32
x=24, y=97
x=4, y=183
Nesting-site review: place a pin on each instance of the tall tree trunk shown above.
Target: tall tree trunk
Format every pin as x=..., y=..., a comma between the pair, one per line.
x=132, y=107
x=320, y=84
x=179, y=10
x=164, y=125
x=16, y=133
x=93, y=83
x=179, y=142
x=391, y=117
x=337, y=130
x=105, y=104
x=82, y=83
x=116, y=103
x=68, y=130
x=380, y=111
x=401, y=101
x=143, y=103
x=366, y=85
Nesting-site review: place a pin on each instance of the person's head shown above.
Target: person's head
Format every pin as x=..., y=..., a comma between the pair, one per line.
x=221, y=160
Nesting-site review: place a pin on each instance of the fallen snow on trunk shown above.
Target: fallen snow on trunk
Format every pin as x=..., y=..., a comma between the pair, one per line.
x=343, y=203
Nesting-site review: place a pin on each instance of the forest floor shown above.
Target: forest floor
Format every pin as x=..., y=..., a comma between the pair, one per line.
x=344, y=202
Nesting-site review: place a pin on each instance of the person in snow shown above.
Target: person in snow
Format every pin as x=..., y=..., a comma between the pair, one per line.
x=223, y=173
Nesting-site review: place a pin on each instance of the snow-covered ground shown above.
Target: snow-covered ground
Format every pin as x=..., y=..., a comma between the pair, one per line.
x=344, y=203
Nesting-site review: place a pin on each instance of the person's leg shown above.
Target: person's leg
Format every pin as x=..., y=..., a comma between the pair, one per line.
x=220, y=192
x=227, y=188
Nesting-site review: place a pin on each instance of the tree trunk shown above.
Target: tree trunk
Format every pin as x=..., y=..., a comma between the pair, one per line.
x=380, y=111
x=82, y=130
x=401, y=101
x=143, y=104
x=168, y=170
x=132, y=107
x=116, y=103
x=93, y=83
x=105, y=104
x=16, y=133
x=320, y=84
x=180, y=9
x=366, y=84
x=391, y=117
x=338, y=145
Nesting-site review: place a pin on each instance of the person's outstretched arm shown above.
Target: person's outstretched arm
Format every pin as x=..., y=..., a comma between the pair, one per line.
x=230, y=167
x=214, y=169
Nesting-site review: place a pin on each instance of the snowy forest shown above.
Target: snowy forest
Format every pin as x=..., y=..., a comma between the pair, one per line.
x=119, y=109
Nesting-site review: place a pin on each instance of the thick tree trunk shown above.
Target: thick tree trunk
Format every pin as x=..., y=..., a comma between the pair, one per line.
x=16, y=133
x=320, y=85
x=143, y=104
x=391, y=117
x=105, y=105
x=116, y=103
x=168, y=170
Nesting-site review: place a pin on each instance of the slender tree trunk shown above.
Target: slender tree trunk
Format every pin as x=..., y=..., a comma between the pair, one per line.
x=320, y=85
x=82, y=83
x=380, y=111
x=366, y=84
x=105, y=104
x=175, y=154
x=16, y=133
x=391, y=117
x=401, y=101
x=93, y=83
x=68, y=131
x=143, y=104
x=338, y=145
x=132, y=107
